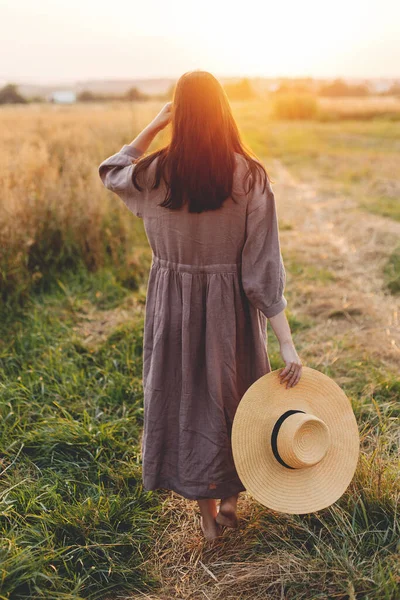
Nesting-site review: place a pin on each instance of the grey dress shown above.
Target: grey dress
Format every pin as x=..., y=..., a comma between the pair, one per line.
x=215, y=277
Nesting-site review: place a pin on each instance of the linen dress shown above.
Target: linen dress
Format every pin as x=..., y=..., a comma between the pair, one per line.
x=214, y=280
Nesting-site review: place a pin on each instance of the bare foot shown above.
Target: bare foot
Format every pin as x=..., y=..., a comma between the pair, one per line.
x=211, y=530
x=226, y=515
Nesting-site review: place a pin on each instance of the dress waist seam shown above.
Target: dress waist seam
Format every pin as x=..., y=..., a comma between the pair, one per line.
x=209, y=268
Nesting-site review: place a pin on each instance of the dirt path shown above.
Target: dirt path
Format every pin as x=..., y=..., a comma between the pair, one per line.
x=331, y=232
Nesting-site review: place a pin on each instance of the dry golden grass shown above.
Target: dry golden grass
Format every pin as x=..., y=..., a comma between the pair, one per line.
x=368, y=107
x=345, y=250
x=57, y=213
x=307, y=106
x=344, y=323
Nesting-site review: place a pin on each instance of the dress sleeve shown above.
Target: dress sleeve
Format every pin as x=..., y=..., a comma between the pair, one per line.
x=263, y=272
x=116, y=174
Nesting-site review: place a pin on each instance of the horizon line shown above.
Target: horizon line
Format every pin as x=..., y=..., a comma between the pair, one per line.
x=50, y=81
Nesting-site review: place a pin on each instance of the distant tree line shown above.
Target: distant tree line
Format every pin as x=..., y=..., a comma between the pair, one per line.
x=9, y=95
x=336, y=88
x=341, y=88
x=239, y=90
x=132, y=94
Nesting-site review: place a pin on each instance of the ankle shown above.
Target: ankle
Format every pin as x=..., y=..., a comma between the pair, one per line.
x=207, y=520
x=229, y=503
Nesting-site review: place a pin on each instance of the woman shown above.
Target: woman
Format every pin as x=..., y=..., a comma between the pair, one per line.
x=217, y=275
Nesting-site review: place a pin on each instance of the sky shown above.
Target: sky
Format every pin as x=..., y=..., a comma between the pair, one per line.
x=57, y=41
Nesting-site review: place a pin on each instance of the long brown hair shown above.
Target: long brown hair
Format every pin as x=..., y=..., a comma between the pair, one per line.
x=200, y=158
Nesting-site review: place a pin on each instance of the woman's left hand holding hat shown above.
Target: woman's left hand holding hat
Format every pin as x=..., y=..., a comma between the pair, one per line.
x=292, y=371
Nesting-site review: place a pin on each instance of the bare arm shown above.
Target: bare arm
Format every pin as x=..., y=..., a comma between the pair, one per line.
x=280, y=325
x=116, y=170
x=291, y=373
x=145, y=137
x=264, y=274
x=143, y=140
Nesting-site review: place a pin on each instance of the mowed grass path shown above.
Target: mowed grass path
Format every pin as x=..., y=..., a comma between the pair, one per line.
x=75, y=521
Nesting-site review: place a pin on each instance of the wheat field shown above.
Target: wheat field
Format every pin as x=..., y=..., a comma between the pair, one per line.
x=75, y=521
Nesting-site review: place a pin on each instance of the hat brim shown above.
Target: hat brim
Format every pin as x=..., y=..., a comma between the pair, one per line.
x=304, y=490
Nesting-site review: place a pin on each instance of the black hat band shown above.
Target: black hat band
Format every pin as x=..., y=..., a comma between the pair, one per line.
x=274, y=435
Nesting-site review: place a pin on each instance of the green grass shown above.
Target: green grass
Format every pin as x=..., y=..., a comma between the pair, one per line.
x=386, y=207
x=346, y=549
x=356, y=158
x=352, y=548
x=392, y=272
x=74, y=519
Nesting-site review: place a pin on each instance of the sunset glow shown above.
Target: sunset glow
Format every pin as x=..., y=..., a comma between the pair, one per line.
x=97, y=39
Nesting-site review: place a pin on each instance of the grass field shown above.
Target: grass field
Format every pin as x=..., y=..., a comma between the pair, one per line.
x=75, y=521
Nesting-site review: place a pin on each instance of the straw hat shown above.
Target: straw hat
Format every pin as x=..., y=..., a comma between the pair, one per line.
x=295, y=449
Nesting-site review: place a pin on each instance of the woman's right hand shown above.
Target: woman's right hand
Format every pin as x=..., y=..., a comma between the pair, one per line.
x=291, y=373
x=163, y=117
